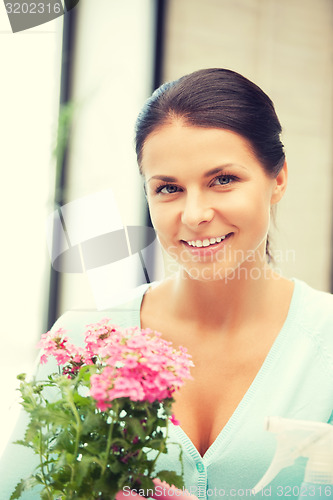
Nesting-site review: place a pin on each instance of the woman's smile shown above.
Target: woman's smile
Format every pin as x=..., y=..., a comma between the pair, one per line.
x=206, y=242
x=205, y=249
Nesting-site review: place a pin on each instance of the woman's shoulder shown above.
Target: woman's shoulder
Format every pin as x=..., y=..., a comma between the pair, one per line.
x=315, y=299
x=314, y=308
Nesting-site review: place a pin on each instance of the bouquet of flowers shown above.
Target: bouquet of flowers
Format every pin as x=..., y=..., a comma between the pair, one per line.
x=101, y=422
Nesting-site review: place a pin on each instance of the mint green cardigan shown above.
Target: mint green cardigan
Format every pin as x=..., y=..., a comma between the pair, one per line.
x=295, y=381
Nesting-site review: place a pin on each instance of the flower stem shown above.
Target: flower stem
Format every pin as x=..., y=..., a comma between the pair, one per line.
x=162, y=445
x=109, y=440
x=78, y=428
x=49, y=493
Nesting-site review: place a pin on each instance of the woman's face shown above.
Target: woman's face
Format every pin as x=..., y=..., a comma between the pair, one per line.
x=209, y=198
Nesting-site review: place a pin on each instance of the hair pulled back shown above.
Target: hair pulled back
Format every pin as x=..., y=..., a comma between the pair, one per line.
x=216, y=98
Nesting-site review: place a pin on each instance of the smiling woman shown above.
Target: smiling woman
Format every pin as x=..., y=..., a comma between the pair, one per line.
x=209, y=150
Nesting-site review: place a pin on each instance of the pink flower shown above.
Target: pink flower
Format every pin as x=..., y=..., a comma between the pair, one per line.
x=43, y=359
x=61, y=356
x=54, y=344
x=129, y=363
x=174, y=420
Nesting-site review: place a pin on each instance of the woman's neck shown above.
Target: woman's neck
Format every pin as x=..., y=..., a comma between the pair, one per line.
x=227, y=304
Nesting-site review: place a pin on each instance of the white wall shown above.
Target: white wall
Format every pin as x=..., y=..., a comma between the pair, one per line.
x=29, y=101
x=286, y=47
x=113, y=77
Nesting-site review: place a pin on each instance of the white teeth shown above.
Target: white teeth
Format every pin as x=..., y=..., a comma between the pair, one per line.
x=206, y=242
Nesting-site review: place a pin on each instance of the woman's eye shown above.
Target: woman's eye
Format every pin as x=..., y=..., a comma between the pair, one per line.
x=167, y=189
x=222, y=180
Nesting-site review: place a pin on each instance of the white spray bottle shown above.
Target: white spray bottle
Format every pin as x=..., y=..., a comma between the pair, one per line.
x=302, y=438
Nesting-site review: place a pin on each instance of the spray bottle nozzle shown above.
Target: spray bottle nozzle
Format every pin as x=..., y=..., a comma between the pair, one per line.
x=300, y=438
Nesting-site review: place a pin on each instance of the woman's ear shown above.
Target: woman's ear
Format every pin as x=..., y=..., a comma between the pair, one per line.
x=280, y=184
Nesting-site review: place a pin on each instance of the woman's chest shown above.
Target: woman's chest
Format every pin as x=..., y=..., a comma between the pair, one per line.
x=205, y=404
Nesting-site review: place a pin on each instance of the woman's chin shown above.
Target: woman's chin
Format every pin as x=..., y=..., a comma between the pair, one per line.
x=208, y=274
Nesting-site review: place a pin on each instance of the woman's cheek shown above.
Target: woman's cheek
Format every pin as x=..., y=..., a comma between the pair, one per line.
x=157, y=219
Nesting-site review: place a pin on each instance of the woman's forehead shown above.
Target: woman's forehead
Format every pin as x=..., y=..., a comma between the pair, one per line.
x=178, y=144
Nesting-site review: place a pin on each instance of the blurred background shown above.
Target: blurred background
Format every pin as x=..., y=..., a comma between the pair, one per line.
x=91, y=70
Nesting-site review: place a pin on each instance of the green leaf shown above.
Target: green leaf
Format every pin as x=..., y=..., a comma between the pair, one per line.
x=146, y=483
x=171, y=477
x=135, y=425
x=22, y=486
x=91, y=423
x=45, y=495
x=116, y=467
x=156, y=444
x=19, y=489
x=81, y=470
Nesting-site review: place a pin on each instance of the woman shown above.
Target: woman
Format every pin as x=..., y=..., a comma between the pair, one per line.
x=213, y=166
x=210, y=198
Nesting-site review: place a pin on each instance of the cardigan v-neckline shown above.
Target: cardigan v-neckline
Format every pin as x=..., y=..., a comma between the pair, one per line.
x=225, y=435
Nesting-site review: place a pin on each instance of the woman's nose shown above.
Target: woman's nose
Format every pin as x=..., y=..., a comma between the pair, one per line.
x=196, y=210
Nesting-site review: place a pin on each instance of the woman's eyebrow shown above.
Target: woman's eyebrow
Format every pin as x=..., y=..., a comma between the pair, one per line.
x=209, y=173
x=216, y=170
x=165, y=178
